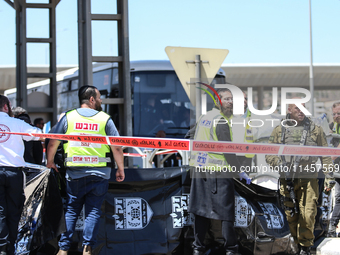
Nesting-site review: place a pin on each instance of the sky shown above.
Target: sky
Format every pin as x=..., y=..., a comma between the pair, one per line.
x=254, y=31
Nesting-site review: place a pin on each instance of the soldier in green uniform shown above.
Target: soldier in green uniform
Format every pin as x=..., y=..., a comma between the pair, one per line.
x=300, y=189
x=335, y=127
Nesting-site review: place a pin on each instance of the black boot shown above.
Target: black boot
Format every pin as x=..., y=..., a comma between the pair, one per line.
x=232, y=253
x=331, y=231
x=197, y=252
x=299, y=249
x=3, y=250
x=305, y=250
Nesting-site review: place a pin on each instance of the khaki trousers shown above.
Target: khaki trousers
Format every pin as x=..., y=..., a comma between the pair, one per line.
x=301, y=225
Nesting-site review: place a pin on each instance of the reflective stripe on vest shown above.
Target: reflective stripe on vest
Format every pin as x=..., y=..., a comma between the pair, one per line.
x=335, y=128
x=242, y=131
x=249, y=136
x=206, y=131
x=83, y=153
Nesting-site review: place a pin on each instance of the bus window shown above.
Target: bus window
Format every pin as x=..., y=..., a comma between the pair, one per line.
x=157, y=99
x=74, y=84
x=72, y=100
x=102, y=80
x=68, y=97
x=63, y=86
x=115, y=79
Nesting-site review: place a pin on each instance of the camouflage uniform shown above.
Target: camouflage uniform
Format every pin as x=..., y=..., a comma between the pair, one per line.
x=306, y=186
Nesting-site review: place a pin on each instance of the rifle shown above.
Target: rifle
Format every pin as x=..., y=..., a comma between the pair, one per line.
x=289, y=177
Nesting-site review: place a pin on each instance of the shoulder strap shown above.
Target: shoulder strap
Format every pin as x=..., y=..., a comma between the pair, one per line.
x=283, y=132
x=306, y=127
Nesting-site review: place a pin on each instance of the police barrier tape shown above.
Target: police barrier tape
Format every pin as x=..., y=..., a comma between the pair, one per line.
x=144, y=155
x=134, y=155
x=194, y=145
x=173, y=144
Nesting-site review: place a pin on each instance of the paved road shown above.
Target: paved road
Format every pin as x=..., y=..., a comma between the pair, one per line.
x=329, y=246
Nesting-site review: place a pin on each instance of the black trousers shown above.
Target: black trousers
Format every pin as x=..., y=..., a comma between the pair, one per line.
x=12, y=199
x=201, y=227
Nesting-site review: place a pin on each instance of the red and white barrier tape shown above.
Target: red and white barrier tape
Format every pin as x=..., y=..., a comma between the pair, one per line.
x=186, y=145
x=144, y=155
x=134, y=155
x=172, y=144
x=261, y=148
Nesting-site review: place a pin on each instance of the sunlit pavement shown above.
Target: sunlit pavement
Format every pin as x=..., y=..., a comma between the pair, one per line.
x=328, y=246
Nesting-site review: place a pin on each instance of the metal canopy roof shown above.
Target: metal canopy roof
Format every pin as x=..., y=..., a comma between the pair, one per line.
x=8, y=77
x=326, y=76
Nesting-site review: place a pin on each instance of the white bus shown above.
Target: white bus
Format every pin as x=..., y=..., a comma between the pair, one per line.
x=159, y=101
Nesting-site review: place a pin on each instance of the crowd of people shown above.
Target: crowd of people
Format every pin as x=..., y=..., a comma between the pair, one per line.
x=212, y=196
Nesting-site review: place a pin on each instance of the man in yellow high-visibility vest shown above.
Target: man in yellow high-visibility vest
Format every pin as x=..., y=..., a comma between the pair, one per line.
x=88, y=166
x=212, y=194
x=243, y=132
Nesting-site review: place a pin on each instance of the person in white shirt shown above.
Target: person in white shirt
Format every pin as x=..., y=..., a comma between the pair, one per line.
x=12, y=196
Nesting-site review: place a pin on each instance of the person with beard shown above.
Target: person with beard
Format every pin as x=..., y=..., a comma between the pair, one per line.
x=88, y=166
x=212, y=193
x=298, y=177
x=12, y=195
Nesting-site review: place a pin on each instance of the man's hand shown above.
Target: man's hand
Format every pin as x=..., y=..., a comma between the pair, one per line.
x=51, y=150
x=334, y=158
x=244, y=176
x=52, y=165
x=328, y=184
x=119, y=158
x=120, y=175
